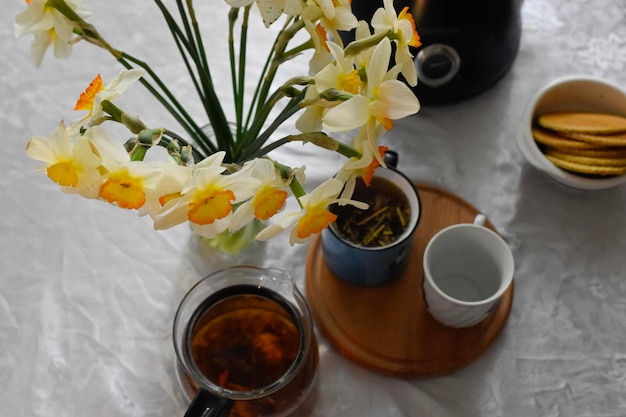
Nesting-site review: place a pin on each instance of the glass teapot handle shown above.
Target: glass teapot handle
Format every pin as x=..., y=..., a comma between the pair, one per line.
x=206, y=404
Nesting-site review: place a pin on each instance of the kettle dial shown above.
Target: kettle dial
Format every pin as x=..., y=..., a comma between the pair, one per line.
x=437, y=64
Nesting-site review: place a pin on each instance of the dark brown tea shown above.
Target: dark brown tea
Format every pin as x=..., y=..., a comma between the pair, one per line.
x=245, y=342
x=382, y=223
x=246, y=339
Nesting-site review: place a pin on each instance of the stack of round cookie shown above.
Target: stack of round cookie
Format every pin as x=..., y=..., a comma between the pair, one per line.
x=583, y=143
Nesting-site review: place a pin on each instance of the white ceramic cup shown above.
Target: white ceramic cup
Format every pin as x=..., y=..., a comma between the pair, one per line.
x=467, y=269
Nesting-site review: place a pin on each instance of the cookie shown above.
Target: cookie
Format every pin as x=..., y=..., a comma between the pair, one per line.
x=595, y=123
x=595, y=139
x=555, y=140
x=586, y=169
x=605, y=152
x=587, y=159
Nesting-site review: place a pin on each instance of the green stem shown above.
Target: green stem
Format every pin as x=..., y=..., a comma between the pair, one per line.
x=287, y=174
x=114, y=111
x=279, y=50
x=139, y=153
x=183, y=45
x=219, y=123
x=233, y=14
x=238, y=76
x=173, y=106
x=257, y=90
x=254, y=147
x=357, y=46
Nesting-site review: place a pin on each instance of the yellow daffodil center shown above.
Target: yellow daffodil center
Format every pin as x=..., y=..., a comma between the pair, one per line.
x=315, y=220
x=415, y=38
x=268, y=201
x=64, y=173
x=85, y=102
x=123, y=189
x=210, y=204
x=351, y=82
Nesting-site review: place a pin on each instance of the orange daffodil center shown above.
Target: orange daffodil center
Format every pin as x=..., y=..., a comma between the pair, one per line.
x=368, y=173
x=268, y=201
x=208, y=197
x=315, y=219
x=73, y=164
x=96, y=93
x=123, y=189
x=86, y=100
x=64, y=173
x=268, y=197
x=124, y=183
x=210, y=204
x=414, y=39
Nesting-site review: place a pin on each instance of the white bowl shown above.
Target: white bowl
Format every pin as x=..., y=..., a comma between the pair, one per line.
x=572, y=93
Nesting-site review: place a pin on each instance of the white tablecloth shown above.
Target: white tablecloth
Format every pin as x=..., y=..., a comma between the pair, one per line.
x=88, y=291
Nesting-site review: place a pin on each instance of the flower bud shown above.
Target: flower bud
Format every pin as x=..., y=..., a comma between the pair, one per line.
x=150, y=137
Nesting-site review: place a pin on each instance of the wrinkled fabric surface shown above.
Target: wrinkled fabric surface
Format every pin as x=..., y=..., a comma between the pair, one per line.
x=88, y=291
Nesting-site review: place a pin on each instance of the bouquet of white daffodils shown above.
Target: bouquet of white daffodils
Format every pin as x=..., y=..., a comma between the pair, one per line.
x=221, y=179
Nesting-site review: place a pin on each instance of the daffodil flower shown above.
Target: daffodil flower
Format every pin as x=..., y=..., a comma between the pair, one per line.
x=269, y=198
x=125, y=182
x=72, y=165
x=96, y=93
x=339, y=75
x=172, y=179
x=271, y=10
x=208, y=198
x=403, y=26
x=386, y=99
x=363, y=58
x=346, y=89
x=334, y=16
x=50, y=27
x=321, y=55
x=314, y=215
x=311, y=118
x=364, y=167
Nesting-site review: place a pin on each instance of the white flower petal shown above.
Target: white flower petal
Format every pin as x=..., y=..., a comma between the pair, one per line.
x=396, y=100
x=348, y=115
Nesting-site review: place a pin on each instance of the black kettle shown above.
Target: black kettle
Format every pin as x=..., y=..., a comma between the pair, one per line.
x=467, y=45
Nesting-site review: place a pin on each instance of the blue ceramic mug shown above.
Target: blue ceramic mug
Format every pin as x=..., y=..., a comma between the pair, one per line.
x=373, y=265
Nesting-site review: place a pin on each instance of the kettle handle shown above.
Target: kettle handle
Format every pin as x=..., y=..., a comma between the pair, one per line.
x=206, y=404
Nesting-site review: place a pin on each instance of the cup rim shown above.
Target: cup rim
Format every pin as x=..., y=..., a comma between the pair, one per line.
x=406, y=234
x=504, y=286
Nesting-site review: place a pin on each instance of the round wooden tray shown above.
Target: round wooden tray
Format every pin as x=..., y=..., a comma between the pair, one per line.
x=387, y=328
